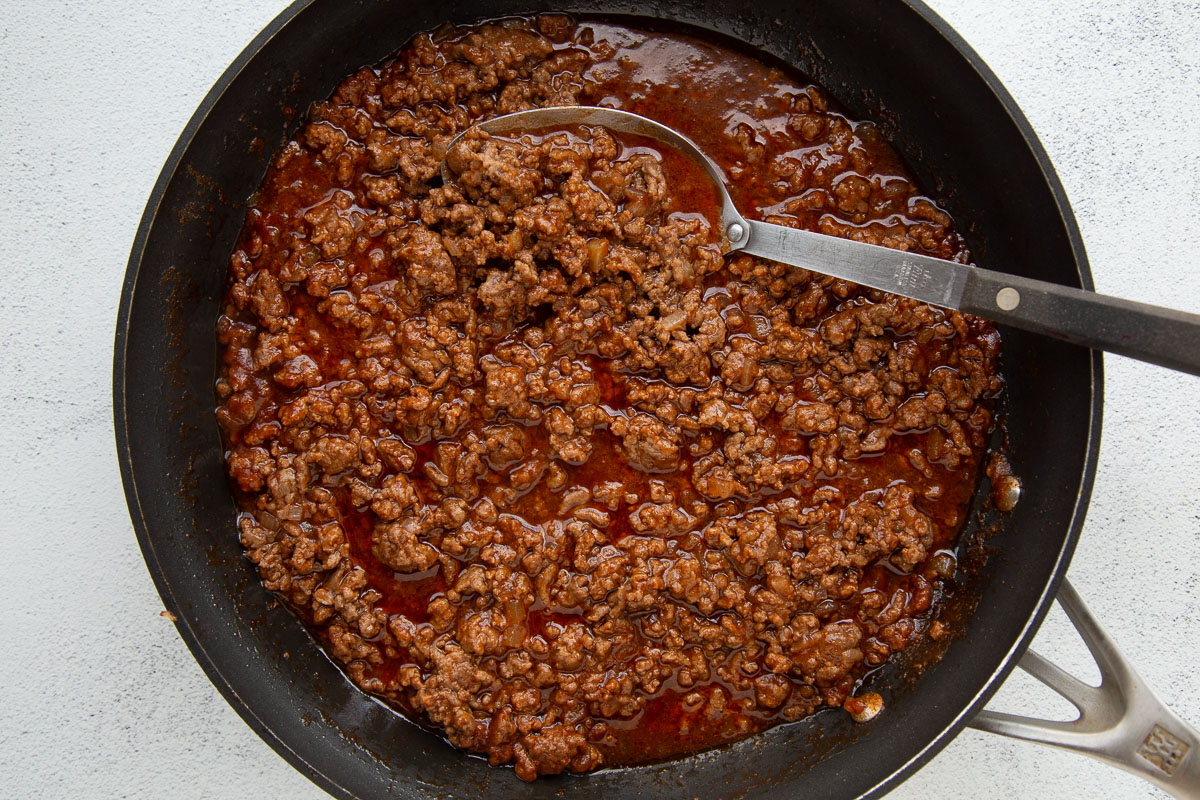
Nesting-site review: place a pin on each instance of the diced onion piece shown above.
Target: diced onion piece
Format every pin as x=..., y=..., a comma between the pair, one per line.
x=865, y=707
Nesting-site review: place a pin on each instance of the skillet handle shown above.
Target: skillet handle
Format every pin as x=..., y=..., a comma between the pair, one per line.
x=1120, y=722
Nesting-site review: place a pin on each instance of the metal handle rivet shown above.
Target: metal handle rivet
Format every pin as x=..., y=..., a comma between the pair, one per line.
x=1007, y=298
x=735, y=231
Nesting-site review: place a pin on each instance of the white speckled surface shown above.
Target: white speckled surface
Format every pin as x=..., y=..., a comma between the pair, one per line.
x=111, y=704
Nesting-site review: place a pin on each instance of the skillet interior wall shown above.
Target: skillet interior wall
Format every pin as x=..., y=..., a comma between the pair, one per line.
x=872, y=56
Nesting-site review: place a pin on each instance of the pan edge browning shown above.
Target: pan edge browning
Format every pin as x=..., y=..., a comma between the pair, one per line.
x=347, y=765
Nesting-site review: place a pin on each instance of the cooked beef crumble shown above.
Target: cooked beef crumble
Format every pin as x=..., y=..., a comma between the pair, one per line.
x=541, y=468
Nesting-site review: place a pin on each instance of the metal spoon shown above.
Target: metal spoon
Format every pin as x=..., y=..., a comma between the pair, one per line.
x=1160, y=336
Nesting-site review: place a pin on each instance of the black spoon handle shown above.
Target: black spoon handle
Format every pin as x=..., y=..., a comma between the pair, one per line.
x=1160, y=336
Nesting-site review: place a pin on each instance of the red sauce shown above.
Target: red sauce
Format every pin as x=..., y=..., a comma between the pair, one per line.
x=743, y=114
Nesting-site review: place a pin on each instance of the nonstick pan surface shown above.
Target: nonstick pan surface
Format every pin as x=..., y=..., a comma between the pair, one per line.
x=891, y=61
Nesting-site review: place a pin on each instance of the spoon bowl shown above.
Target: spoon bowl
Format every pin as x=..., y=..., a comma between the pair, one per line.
x=1150, y=333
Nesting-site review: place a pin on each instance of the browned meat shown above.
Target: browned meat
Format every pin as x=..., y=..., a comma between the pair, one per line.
x=533, y=460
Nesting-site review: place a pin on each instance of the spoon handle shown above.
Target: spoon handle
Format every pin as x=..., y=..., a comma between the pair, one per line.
x=1150, y=333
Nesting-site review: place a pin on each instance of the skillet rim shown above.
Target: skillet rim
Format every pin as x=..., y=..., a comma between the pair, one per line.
x=313, y=772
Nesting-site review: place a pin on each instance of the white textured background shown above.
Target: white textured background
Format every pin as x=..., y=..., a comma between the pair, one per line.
x=100, y=697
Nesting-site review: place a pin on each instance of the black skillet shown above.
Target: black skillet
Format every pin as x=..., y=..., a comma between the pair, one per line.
x=889, y=60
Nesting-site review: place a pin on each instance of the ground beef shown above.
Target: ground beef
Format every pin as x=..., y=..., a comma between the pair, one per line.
x=534, y=461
